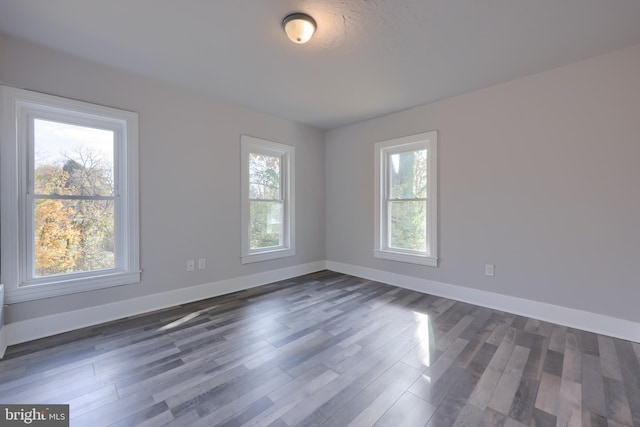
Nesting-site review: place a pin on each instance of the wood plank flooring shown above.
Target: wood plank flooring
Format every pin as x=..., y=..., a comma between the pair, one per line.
x=333, y=350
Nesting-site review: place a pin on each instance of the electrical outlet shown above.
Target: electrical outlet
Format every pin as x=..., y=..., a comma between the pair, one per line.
x=191, y=265
x=489, y=270
x=202, y=263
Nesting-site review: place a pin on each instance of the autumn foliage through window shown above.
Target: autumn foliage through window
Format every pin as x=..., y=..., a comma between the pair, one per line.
x=73, y=198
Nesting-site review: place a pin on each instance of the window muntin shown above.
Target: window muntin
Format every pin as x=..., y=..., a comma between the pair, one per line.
x=72, y=168
x=406, y=199
x=267, y=201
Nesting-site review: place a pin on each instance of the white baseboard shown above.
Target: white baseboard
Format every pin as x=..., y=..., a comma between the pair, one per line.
x=598, y=323
x=40, y=327
x=3, y=342
x=3, y=336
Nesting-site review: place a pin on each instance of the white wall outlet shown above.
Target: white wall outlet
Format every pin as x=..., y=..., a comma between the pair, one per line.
x=202, y=263
x=191, y=265
x=489, y=270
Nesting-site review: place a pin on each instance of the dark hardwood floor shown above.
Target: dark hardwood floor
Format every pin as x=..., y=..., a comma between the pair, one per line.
x=333, y=350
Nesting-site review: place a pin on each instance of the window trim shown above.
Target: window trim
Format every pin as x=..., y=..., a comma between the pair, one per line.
x=428, y=140
x=250, y=144
x=18, y=110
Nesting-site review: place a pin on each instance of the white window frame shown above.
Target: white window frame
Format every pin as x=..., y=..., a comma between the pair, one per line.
x=428, y=141
x=286, y=153
x=18, y=110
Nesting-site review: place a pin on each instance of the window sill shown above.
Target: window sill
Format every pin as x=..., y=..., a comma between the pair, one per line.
x=266, y=256
x=408, y=258
x=71, y=286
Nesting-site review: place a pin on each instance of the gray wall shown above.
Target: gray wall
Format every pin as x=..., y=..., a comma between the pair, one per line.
x=539, y=176
x=189, y=174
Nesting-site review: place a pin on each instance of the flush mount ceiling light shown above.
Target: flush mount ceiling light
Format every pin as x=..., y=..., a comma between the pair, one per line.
x=299, y=27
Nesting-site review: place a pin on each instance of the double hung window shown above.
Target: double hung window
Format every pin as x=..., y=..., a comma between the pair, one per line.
x=69, y=196
x=267, y=200
x=406, y=199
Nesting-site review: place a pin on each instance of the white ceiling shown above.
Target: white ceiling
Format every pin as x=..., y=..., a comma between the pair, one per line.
x=368, y=57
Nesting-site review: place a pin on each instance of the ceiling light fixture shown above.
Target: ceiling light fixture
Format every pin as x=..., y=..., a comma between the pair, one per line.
x=299, y=27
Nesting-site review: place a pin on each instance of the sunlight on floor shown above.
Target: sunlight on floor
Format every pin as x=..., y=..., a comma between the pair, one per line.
x=184, y=319
x=180, y=321
x=424, y=335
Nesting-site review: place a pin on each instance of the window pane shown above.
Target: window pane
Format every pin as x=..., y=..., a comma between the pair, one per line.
x=408, y=175
x=264, y=177
x=73, y=236
x=408, y=225
x=72, y=160
x=265, y=224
